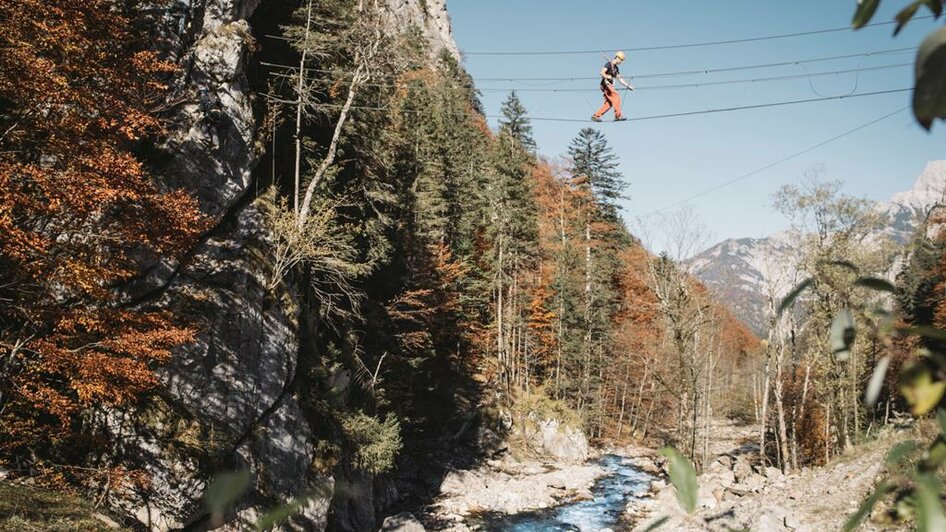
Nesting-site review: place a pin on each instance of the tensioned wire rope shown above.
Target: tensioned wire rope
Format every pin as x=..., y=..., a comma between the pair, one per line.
x=761, y=169
x=726, y=109
x=686, y=45
x=635, y=49
x=788, y=77
x=646, y=75
x=635, y=119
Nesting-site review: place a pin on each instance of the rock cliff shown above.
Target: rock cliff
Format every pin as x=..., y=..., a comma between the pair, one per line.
x=228, y=400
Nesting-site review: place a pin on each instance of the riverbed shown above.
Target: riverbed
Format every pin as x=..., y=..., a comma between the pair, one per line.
x=611, y=494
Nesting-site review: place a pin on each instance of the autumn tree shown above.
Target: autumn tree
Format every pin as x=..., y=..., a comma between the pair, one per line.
x=836, y=235
x=79, y=216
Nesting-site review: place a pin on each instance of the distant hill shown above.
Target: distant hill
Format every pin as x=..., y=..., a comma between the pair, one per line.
x=738, y=269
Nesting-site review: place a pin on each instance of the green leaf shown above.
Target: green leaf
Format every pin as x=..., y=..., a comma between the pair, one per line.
x=225, y=489
x=929, y=95
x=905, y=15
x=866, y=506
x=793, y=295
x=876, y=283
x=876, y=381
x=885, y=322
x=683, y=478
x=657, y=524
x=846, y=264
x=919, y=389
x=279, y=514
x=929, y=515
x=935, y=456
x=900, y=451
x=941, y=419
x=842, y=334
x=936, y=6
x=925, y=331
x=865, y=11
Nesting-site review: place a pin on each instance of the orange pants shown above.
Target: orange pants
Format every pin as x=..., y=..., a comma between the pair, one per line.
x=611, y=99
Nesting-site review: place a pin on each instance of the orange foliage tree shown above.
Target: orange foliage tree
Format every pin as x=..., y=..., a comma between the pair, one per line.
x=79, y=214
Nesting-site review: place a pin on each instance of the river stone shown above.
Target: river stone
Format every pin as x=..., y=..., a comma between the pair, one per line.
x=462, y=482
x=792, y=522
x=402, y=522
x=772, y=519
x=724, y=461
x=742, y=470
x=706, y=498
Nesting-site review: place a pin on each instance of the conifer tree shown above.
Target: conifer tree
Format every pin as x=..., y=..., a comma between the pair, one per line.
x=516, y=122
x=592, y=158
x=513, y=232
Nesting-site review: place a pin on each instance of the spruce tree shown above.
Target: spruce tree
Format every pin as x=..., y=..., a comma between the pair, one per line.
x=516, y=122
x=513, y=233
x=592, y=158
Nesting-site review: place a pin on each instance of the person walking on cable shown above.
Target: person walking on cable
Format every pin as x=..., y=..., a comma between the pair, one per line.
x=611, y=96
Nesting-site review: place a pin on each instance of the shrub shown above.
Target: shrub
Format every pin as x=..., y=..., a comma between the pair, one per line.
x=376, y=443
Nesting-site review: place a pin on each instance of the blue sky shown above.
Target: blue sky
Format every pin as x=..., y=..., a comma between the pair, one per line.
x=668, y=160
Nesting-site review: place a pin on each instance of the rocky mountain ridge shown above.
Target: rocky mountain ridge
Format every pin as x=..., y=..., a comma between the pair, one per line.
x=743, y=270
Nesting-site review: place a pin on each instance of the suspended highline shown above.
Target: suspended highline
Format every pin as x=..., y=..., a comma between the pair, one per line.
x=636, y=119
x=726, y=109
x=778, y=162
x=644, y=76
x=809, y=75
x=713, y=83
x=690, y=45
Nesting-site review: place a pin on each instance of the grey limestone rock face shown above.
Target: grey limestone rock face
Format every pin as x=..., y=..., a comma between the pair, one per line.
x=232, y=388
x=227, y=400
x=211, y=148
x=432, y=18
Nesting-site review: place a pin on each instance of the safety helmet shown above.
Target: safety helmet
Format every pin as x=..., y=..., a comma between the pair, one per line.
x=619, y=55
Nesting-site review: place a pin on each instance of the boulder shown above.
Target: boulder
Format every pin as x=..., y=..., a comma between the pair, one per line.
x=557, y=440
x=723, y=462
x=772, y=519
x=402, y=522
x=742, y=470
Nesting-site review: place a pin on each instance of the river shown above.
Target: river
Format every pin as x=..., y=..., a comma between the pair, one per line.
x=604, y=512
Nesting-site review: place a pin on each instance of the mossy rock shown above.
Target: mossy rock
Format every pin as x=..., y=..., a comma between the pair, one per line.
x=28, y=509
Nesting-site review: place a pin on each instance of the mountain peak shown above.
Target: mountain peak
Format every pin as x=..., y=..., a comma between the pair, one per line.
x=928, y=189
x=742, y=269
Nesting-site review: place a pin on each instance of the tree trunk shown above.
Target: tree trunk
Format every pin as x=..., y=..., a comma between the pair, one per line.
x=765, y=403
x=333, y=145
x=300, y=104
x=627, y=373
x=780, y=412
x=500, y=343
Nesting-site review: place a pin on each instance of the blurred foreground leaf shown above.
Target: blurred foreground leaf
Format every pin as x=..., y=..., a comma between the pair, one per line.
x=683, y=478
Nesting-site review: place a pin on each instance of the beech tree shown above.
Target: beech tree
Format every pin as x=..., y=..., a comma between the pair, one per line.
x=79, y=211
